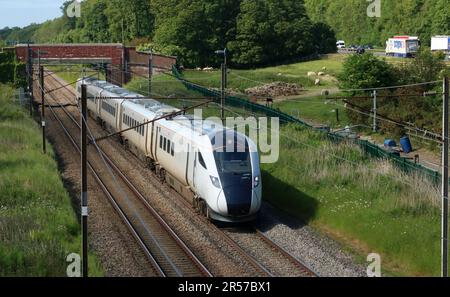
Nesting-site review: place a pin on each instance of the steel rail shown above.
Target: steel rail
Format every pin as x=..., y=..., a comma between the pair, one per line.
x=142, y=199
x=297, y=262
x=108, y=194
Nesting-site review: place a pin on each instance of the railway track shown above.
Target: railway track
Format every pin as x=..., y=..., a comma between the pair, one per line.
x=254, y=238
x=304, y=269
x=167, y=253
x=301, y=269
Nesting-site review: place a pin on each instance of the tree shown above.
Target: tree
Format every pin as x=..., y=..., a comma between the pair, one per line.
x=366, y=71
x=135, y=16
x=349, y=20
x=271, y=31
x=362, y=72
x=94, y=21
x=324, y=38
x=195, y=28
x=424, y=68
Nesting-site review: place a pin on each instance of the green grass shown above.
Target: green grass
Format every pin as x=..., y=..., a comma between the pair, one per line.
x=316, y=109
x=366, y=204
x=240, y=80
x=72, y=73
x=38, y=226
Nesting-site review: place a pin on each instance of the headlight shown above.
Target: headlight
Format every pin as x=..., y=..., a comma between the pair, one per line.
x=256, y=182
x=215, y=181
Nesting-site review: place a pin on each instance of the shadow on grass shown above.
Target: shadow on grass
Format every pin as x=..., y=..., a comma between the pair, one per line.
x=295, y=208
x=281, y=203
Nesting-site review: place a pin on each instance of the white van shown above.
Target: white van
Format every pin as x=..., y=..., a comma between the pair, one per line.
x=340, y=44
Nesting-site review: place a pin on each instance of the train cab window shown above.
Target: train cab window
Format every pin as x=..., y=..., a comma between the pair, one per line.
x=201, y=160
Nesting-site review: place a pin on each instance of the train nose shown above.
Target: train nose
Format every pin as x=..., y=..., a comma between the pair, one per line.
x=238, y=200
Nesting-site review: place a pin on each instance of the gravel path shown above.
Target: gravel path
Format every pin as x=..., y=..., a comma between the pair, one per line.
x=322, y=254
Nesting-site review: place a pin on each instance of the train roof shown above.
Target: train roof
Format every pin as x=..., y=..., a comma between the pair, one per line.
x=203, y=127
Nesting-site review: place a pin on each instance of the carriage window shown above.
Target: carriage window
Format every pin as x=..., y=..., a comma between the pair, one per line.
x=168, y=146
x=160, y=141
x=165, y=143
x=172, y=150
x=201, y=161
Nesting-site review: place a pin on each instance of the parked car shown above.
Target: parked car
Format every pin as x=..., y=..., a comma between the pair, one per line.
x=360, y=50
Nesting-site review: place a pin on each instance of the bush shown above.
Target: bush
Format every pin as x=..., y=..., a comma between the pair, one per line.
x=11, y=71
x=426, y=66
x=366, y=71
x=20, y=72
x=6, y=73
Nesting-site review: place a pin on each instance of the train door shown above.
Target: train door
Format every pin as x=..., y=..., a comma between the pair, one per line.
x=190, y=168
x=200, y=173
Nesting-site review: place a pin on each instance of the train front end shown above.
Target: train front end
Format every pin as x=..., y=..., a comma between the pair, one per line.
x=238, y=179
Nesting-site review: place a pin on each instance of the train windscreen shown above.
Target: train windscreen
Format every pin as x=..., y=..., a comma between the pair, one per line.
x=232, y=154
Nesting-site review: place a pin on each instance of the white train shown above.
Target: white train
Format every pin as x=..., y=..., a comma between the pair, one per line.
x=215, y=167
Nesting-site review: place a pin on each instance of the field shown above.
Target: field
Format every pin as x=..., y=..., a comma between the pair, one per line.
x=38, y=226
x=239, y=80
x=316, y=110
x=366, y=204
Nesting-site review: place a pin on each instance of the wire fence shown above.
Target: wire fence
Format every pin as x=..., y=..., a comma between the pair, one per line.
x=368, y=148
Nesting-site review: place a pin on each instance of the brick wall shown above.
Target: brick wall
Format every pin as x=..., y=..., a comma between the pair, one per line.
x=134, y=61
x=73, y=51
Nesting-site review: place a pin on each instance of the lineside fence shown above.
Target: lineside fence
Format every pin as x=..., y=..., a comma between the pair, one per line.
x=367, y=147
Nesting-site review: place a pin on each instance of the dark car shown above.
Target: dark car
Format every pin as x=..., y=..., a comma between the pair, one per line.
x=360, y=50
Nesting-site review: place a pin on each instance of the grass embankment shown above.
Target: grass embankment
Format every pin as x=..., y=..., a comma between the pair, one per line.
x=317, y=110
x=38, y=226
x=240, y=80
x=365, y=203
x=313, y=108
x=72, y=73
